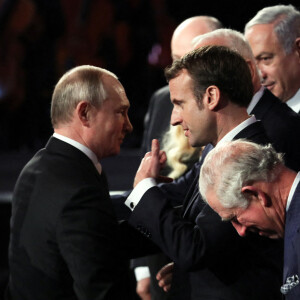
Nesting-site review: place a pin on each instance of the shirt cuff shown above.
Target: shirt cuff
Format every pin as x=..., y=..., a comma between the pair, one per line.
x=141, y=273
x=138, y=192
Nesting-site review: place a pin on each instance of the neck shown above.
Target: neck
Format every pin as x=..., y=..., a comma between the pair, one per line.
x=71, y=131
x=228, y=118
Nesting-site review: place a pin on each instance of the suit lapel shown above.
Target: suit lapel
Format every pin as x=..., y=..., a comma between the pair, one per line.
x=264, y=105
x=193, y=193
x=291, y=235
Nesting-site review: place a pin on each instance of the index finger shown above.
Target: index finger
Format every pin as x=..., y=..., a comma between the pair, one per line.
x=155, y=147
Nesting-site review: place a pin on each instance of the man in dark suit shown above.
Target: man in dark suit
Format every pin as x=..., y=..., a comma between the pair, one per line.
x=156, y=124
x=274, y=36
x=210, y=90
x=65, y=240
x=249, y=185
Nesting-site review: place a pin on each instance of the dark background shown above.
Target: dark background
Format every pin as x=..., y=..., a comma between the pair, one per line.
x=41, y=39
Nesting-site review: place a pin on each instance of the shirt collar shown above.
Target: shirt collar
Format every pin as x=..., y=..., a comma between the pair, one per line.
x=294, y=102
x=255, y=99
x=231, y=134
x=292, y=191
x=89, y=153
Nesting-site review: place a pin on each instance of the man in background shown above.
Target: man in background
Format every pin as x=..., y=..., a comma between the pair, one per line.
x=274, y=36
x=157, y=119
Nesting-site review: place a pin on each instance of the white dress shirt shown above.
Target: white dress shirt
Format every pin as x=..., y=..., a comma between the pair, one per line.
x=294, y=102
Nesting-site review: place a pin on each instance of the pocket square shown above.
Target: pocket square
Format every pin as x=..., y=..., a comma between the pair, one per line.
x=291, y=282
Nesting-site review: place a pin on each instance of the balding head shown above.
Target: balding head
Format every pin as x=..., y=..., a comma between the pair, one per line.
x=236, y=42
x=187, y=30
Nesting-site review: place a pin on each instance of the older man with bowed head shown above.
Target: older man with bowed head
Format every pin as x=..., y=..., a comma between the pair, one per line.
x=281, y=123
x=274, y=36
x=249, y=185
x=65, y=240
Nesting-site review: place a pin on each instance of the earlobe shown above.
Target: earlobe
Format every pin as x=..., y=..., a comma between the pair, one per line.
x=212, y=96
x=297, y=43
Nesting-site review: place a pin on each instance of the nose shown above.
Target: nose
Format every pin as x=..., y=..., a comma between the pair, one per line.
x=128, y=126
x=176, y=118
x=262, y=71
x=241, y=229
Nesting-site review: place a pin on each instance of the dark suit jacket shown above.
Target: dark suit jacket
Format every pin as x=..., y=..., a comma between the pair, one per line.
x=157, y=119
x=220, y=264
x=282, y=126
x=292, y=244
x=65, y=240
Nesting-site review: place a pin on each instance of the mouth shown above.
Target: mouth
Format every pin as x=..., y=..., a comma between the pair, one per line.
x=186, y=132
x=269, y=86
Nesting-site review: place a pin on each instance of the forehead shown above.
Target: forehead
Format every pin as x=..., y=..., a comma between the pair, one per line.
x=262, y=38
x=181, y=84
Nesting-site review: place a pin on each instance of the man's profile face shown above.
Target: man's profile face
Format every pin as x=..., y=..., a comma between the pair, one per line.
x=196, y=123
x=279, y=71
x=255, y=218
x=110, y=122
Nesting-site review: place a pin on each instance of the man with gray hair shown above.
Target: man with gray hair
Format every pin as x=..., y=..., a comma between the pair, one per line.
x=65, y=239
x=281, y=123
x=274, y=36
x=249, y=185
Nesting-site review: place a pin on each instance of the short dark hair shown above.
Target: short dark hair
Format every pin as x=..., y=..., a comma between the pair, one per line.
x=216, y=65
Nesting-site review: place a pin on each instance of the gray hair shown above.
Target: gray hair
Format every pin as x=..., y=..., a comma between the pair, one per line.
x=230, y=38
x=78, y=84
x=286, y=20
x=232, y=165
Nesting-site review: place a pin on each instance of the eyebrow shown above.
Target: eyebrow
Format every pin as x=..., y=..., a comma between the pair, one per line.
x=263, y=53
x=176, y=101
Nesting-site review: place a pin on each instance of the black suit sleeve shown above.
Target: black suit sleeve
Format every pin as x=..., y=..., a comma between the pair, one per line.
x=190, y=245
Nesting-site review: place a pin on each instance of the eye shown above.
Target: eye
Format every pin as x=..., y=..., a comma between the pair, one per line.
x=265, y=59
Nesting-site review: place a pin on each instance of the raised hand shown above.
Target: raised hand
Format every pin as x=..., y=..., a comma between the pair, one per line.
x=151, y=165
